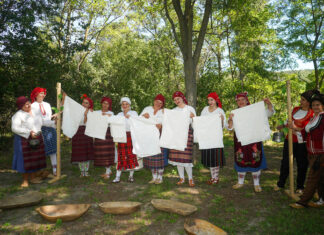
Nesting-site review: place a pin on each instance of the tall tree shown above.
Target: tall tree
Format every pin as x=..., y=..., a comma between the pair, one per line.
x=302, y=32
x=187, y=12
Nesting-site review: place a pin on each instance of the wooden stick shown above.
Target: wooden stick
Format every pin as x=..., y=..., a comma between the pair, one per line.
x=58, y=130
x=290, y=143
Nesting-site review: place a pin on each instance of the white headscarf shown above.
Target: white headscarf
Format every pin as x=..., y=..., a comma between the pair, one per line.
x=126, y=99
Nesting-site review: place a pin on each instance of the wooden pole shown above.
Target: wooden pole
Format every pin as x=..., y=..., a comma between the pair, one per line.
x=290, y=192
x=58, y=135
x=58, y=128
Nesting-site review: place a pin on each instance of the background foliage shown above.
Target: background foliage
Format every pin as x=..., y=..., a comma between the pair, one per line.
x=126, y=48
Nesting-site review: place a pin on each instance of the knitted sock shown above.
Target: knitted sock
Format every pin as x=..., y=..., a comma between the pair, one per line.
x=160, y=173
x=189, y=172
x=154, y=175
x=108, y=170
x=241, y=176
x=81, y=166
x=214, y=171
x=53, y=162
x=118, y=174
x=86, y=166
x=256, y=177
x=131, y=174
x=181, y=172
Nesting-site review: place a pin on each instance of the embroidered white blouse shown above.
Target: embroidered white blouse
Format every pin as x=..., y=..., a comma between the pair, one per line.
x=22, y=123
x=45, y=114
x=150, y=110
x=186, y=108
x=218, y=111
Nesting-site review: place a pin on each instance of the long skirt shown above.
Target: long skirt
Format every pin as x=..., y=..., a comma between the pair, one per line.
x=126, y=158
x=104, y=151
x=183, y=158
x=154, y=162
x=213, y=157
x=165, y=153
x=26, y=159
x=49, y=134
x=82, y=146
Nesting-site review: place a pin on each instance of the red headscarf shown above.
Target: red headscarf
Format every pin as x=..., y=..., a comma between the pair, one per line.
x=216, y=98
x=21, y=101
x=108, y=100
x=181, y=95
x=35, y=92
x=161, y=98
x=85, y=97
x=245, y=95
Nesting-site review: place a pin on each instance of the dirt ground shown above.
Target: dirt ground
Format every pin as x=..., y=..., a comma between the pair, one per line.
x=236, y=211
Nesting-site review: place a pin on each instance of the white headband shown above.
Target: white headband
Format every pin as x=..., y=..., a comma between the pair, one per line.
x=126, y=99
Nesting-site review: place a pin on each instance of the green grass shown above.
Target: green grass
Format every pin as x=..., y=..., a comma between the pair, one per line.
x=236, y=211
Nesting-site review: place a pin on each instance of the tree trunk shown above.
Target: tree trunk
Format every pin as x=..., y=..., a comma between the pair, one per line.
x=316, y=74
x=190, y=71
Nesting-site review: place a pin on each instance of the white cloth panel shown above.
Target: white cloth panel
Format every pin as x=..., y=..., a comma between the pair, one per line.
x=208, y=131
x=97, y=125
x=118, y=128
x=145, y=136
x=251, y=124
x=175, y=129
x=73, y=113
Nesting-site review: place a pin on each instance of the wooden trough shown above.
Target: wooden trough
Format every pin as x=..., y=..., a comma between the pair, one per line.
x=174, y=206
x=202, y=227
x=27, y=199
x=120, y=207
x=65, y=212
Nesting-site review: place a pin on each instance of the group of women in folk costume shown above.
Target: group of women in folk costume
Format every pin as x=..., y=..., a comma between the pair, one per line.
x=102, y=152
x=34, y=121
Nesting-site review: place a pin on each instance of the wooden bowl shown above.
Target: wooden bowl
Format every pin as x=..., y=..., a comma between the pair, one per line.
x=28, y=199
x=120, y=208
x=65, y=212
x=174, y=206
x=202, y=227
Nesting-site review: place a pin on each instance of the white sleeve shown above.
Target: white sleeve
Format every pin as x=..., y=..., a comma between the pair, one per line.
x=133, y=114
x=224, y=121
x=17, y=128
x=270, y=112
x=204, y=111
x=145, y=110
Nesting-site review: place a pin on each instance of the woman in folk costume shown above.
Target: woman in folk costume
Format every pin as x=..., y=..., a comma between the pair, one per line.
x=248, y=158
x=126, y=158
x=104, y=150
x=213, y=158
x=183, y=159
x=82, y=145
x=43, y=109
x=156, y=162
x=300, y=116
x=314, y=132
x=27, y=158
